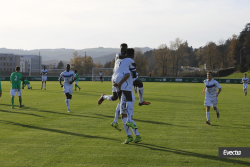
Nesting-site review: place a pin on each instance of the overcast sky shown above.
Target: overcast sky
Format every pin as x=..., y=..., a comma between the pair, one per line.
x=79, y=24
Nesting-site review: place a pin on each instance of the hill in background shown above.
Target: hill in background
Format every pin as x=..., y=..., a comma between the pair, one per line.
x=98, y=54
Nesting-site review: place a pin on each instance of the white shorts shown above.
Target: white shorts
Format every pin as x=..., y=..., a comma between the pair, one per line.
x=28, y=85
x=76, y=82
x=44, y=78
x=14, y=91
x=211, y=102
x=123, y=107
x=245, y=86
x=68, y=89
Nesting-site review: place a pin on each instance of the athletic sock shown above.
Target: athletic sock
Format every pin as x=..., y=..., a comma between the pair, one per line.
x=217, y=111
x=208, y=116
x=42, y=84
x=141, y=91
x=129, y=110
x=20, y=101
x=117, y=113
x=126, y=128
x=75, y=86
x=45, y=86
x=67, y=103
x=108, y=97
x=135, y=131
x=12, y=101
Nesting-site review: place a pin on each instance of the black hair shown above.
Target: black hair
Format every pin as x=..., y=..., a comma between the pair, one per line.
x=17, y=68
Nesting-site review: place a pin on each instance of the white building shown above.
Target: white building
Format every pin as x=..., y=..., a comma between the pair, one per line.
x=31, y=63
x=25, y=64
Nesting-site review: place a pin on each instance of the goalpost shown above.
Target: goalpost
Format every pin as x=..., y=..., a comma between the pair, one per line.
x=106, y=74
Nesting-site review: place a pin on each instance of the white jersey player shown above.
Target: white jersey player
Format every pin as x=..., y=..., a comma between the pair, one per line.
x=211, y=98
x=69, y=78
x=123, y=111
x=245, y=81
x=126, y=67
x=122, y=86
x=44, y=73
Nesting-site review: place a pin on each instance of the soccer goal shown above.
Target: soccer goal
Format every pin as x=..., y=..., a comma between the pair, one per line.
x=106, y=74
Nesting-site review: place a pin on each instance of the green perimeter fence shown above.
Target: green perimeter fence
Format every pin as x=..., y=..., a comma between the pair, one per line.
x=143, y=79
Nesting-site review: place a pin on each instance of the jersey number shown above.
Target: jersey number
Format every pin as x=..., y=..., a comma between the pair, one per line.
x=15, y=78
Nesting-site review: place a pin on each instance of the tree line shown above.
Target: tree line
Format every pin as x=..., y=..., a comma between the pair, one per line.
x=176, y=59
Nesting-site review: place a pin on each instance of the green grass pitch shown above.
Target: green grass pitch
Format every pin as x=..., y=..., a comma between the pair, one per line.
x=173, y=128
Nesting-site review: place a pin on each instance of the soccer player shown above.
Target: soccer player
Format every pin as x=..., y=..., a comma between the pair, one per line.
x=211, y=98
x=69, y=78
x=121, y=73
x=15, y=80
x=138, y=83
x=100, y=73
x=44, y=73
x=245, y=81
x=77, y=79
x=26, y=82
x=124, y=112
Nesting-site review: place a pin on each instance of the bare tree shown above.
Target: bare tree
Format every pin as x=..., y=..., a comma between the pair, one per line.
x=141, y=62
x=179, y=52
x=161, y=58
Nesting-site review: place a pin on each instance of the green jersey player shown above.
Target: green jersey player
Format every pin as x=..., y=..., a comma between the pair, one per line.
x=15, y=80
x=26, y=82
x=77, y=79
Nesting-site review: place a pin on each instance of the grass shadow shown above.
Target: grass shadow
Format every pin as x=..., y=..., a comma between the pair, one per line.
x=68, y=114
x=52, y=112
x=193, y=154
x=56, y=131
x=1, y=110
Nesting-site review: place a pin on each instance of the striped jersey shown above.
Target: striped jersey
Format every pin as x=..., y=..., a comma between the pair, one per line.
x=44, y=72
x=211, y=87
x=246, y=80
x=68, y=76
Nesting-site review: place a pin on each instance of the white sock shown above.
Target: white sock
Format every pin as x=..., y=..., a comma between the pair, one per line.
x=208, y=116
x=117, y=113
x=45, y=85
x=126, y=128
x=108, y=97
x=129, y=110
x=217, y=111
x=135, y=131
x=67, y=103
x=141, y=91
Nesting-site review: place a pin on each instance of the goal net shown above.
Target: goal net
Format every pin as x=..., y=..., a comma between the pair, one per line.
x=106, y=74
